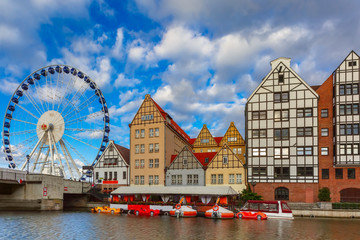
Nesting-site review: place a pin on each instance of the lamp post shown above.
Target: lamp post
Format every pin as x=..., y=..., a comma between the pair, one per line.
x=253, y=184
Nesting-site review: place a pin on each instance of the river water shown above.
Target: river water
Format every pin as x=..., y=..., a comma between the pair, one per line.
x=84, y=225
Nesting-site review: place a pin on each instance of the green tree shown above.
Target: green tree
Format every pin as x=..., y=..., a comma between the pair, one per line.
x=324, y=194
x=247, y=194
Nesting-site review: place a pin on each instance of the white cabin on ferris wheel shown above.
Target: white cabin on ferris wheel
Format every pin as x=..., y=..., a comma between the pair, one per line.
x=112, y=170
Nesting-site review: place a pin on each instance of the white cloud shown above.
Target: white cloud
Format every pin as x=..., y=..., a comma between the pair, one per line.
x=122, y=81
x=118, y=46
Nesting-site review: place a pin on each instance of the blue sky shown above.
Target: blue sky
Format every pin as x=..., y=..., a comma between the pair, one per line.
x=199, y=60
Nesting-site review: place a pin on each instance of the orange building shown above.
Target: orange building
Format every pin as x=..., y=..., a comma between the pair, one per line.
x=154, y=137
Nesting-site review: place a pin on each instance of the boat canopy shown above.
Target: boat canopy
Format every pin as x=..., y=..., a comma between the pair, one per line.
x=160, y=190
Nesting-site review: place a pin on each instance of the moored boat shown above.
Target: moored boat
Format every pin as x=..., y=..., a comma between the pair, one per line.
x=219, y=213
x=183, y=211
x=272, y=209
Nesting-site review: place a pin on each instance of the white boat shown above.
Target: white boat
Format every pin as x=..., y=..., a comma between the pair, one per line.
x=272, y=209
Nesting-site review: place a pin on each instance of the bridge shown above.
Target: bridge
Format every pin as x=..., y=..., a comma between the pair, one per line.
x=21, y=190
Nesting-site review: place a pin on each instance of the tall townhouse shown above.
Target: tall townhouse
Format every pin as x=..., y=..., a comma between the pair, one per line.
x=339, y=158
x=154, y=137
x=282, y=136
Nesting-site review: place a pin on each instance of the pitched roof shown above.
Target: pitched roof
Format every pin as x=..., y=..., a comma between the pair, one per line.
x=125, y=153
x=202, y=156
x=192, y=140
x=218, y=139
x=173, y=124
x=315, y=87
x=172, y=158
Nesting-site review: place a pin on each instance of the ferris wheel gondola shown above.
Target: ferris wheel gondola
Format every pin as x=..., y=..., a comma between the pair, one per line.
x=56, y=121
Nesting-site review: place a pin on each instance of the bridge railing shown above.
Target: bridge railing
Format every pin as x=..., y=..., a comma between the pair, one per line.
x=12, y=175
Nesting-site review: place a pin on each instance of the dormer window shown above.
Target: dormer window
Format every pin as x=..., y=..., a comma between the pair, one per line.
x=206, y=160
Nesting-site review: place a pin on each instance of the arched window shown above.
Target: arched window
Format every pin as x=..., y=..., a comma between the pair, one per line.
x=281, y=193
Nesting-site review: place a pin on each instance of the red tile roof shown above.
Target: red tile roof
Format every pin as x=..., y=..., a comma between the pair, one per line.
x=173, y=158
x=201, y=157
x=125, y=152
x=192, y=140
x=218, y=139
x=173, y=124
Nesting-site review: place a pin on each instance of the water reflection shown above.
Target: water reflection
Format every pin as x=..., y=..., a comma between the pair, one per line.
x=84, y=225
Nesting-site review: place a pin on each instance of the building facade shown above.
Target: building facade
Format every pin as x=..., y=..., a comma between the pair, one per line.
x=339, y=158
x=112, y=169
x=226, y=169
x=282, y=136
x=188, y=168
x=154, y=137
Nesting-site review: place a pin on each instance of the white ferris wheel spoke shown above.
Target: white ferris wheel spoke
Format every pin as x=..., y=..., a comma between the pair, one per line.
x=22, y=132
x=58, y=155
x=33, y=103
x=52, y=154
x=73, y=101
x=18, y=105
x=38, y=96
x=45, y=161
x=87, y=102
x=66, y=159
x=81, y=141
x=18, y=120
x=37, y=157
x=72, y=160
x=34, y=149
x=83, y=118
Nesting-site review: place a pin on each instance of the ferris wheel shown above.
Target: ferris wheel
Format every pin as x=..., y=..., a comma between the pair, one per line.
x=56, y=122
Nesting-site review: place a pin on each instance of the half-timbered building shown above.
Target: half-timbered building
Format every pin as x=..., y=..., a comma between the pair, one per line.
x=235, y=141
x=205, y=142
x=154, y=137
x=188, y=168
x=282, y=136
x=112, y=169
x=226, y=169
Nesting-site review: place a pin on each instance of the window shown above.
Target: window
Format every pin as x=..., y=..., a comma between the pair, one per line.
x=324, y=132
x=156, y=163
x=259, y=151
x=137, y=163
x=196, y=179
x=324, y=113
x=151, y=180
x=137, y=148
x=237, y=150
x=142, y=148
x=96, y=175
x=110, y=176
x=151, y=132
x=213, y=178
x=281, y=77
x=173, y=179
x=281, y=115
x=238, y=178
x=325, y=173
x=151, y=147
x=179, y=179
x=137, y=133
x=348, y=89
x=304, y=112
x=352, y=63
x=225, y=160
x=184, y=161
x=258, y=115
x=349, y=149
x=220, y=178
x=281, y=97
x=305, y=171
x=231, y=179
x=156, y=147
x=349, y=129
x=281, y=193
x=142, y=133
x=156, y=132
x=142, y=163
x=324, y=151
x=151, y=163
x=307, y=151
x=304, y=131
x=259, y=133
x=281, y=134
x=232, y=139
x=349, y=109
x=142, y=180
x=281, y=152
x=282, y=172
x=189, y=179
x=156, y=182
x=204, y=140
x=339, y=173
x=259, y=171
x=351, y=173
x=124, y=174
x=136, y=180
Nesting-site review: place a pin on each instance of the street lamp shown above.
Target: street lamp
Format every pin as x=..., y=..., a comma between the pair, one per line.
x=253, y=184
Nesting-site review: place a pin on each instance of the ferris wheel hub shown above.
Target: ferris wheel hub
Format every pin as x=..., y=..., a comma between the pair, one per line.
x=51, y=121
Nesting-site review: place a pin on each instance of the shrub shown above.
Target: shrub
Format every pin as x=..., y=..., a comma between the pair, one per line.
x=324, y=194
x=247, y=194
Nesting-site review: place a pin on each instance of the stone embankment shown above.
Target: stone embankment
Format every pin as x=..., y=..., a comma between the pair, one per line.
x=322, y=209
